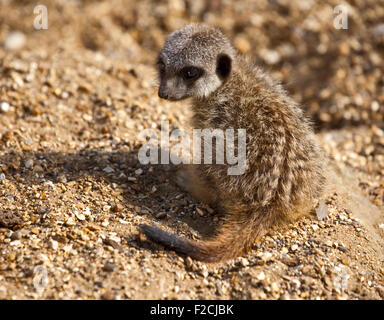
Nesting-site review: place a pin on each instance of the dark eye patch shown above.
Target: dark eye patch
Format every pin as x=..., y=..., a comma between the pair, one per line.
x=224, y=66
x=161, y=66
x=191, y=73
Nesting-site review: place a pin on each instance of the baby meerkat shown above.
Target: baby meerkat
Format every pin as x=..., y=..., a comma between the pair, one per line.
x=284, y=172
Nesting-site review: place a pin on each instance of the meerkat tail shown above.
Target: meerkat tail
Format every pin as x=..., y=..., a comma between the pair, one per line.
x=233, y=238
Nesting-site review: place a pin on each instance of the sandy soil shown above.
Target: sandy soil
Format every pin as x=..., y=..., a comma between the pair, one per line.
x=72, y=192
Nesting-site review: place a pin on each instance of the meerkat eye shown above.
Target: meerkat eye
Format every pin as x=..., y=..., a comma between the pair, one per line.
x=191, y=73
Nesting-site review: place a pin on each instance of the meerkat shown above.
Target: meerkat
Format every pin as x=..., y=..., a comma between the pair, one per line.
x=284, y=173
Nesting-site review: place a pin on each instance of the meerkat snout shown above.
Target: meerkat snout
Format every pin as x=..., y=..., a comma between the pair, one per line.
x=163, y=92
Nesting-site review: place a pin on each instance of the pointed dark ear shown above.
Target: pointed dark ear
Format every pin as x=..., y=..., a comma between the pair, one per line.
x=224, y=65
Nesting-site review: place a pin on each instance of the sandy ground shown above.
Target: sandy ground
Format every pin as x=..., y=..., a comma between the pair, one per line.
x=72, y=192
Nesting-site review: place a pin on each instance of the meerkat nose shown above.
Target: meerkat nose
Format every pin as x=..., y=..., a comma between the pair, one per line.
x=163, y=93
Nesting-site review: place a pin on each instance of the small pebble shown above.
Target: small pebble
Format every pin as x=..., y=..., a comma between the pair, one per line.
x=70, y=222
x=15, y=236
x=15, y=40
x=161, y=215
x=53, y=244
x=321, y=211
x=261, y=276
x=109, y=267
x=275, y=287
x=244, y=262
x=108, y=295
x=188, y=262
x=79, y=216
x=295, y=284
x=29, y=163
x=117, y=208
x=200, y=212
x=108, y=170
x=42, y=210
x=4, y=107
x=315, y=227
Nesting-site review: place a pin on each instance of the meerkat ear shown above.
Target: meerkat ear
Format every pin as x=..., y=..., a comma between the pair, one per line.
x=224, y=65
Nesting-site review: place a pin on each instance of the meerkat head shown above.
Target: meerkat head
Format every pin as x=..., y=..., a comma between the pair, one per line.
x=194, y=62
